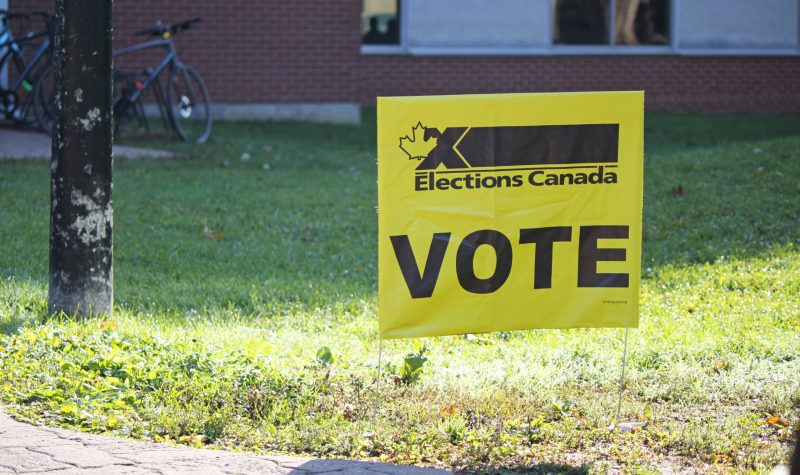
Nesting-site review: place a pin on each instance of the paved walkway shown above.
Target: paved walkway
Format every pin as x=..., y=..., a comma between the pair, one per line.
x=16, y=143
x=31, y=449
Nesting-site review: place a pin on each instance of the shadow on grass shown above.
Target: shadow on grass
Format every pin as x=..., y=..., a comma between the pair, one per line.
x=12, y=324
x=720, y=186
x=303, y=234
x=670, y=132
x=733, y=200
x=272, y=217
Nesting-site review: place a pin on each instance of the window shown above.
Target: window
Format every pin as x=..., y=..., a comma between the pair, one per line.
x=589, y=22
x=581, y=22
x=641, y=22
x=380, y=22
x=537, y=27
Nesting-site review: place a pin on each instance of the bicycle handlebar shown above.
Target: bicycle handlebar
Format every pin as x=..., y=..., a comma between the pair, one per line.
x=161, y=29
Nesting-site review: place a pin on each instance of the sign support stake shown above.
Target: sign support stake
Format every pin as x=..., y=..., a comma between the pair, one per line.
x=377, y=381
x=622, y=377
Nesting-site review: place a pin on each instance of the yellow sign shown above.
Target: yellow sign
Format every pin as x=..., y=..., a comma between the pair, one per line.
x=509, y=212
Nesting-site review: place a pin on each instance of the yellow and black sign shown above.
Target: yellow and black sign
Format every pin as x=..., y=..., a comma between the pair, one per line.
x=508, y=212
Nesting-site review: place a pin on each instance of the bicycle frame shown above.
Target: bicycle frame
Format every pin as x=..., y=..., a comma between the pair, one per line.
x=170, y=59
x=134, y=86
x=32, y=63
x=40, y=52
x=130, y=88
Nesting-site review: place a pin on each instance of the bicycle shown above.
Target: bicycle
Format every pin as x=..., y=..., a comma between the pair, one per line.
x=185, y=105
x=16, y=102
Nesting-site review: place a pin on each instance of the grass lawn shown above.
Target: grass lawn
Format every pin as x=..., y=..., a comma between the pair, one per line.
x=239, y=262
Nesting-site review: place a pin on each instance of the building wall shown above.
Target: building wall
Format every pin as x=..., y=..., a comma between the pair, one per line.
x=478, y=23
x=738, y=24
x=248, y=51
x=258, y=51
x=671, y=83
x=309, y=51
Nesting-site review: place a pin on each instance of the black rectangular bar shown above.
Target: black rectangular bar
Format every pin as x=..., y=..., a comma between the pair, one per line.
x=539, y=145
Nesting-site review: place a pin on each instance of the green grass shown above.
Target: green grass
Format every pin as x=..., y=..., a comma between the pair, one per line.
x=231, y=274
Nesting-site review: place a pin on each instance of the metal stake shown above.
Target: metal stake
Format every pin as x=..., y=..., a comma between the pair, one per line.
x=377, y=382
x=622, y=377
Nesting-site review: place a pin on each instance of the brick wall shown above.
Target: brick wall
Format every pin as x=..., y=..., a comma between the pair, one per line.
x=258, y=51
x=279, y=51
x=671, y=83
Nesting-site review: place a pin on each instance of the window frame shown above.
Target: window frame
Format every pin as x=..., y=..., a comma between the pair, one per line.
x=611, y=49
x=401, y=46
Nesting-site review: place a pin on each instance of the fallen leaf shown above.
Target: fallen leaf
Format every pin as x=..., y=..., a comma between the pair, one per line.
x=777, y=421
x=450, y=409
x=215, y=236
x=772, y=419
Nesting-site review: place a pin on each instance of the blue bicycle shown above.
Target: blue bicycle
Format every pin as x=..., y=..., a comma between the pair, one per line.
x=183, y=104
x=16, y=100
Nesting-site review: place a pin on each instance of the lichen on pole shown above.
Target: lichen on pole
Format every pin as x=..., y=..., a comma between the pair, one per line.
x=81, y=279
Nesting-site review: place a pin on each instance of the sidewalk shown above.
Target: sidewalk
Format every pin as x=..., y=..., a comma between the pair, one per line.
x=15, y=143
x=32, y=449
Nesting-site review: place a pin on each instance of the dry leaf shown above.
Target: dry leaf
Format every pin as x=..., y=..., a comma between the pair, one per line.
x=777, y=421
x=772, y=419
x=215, y=236
x=721, y=458
x=450, y=409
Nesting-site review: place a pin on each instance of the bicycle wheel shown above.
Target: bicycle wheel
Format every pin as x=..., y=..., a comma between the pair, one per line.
x=188, y=105
x=44, y=99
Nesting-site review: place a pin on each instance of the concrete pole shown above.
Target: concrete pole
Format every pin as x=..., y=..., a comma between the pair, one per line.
x=80, y=188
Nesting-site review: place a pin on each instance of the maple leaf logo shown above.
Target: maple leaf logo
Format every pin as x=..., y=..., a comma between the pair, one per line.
x=417, y=146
